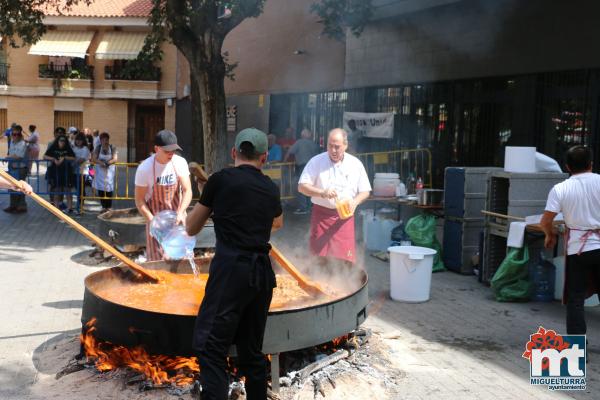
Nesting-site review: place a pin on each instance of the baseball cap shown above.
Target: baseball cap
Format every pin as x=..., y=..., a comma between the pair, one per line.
x=73, y=130
x=166, y=140
x=256, y=137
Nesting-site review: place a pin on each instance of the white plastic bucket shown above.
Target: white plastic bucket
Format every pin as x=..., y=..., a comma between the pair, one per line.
x=410, y=273
x=519, y=159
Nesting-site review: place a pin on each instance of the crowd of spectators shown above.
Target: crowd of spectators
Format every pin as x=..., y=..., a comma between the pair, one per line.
x=74, y=159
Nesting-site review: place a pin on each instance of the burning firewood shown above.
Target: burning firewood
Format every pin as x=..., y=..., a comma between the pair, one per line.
x=71, y=367
x=320, y=364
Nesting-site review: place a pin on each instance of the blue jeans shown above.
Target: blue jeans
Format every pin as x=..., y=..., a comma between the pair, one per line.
x=17, y=199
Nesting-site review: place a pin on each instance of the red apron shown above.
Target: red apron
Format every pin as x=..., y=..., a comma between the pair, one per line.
x=331, y=236
x=164, y=197
x=591, y=288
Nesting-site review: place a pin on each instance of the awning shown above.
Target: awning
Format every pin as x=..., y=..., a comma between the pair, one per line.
x=120, y=45
x=63, y=44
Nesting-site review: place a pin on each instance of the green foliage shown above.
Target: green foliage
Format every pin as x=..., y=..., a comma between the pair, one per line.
x=23, y=18
x=337, y=15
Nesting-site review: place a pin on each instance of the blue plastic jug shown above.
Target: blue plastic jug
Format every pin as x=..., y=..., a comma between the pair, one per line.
x=542, y=276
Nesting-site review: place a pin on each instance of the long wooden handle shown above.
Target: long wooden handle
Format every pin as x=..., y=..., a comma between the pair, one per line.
x=493, y=214
x=308, y=286
x=84, y=231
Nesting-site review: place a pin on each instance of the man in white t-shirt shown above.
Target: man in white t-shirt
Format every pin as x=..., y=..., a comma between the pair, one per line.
x=162, y=182
x=327, y=177
x=578, y=198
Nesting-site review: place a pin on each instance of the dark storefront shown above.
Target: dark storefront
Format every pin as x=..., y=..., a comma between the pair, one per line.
x=463, y=122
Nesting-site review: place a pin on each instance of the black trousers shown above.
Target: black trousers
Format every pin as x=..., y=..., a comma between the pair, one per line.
x=580, y=269
x=106, y=203
x=234, y=311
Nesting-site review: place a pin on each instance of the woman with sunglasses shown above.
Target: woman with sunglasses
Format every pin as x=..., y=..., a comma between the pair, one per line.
x=60, y=175
x=17, y=167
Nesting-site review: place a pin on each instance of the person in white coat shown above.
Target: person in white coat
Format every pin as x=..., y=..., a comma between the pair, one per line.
x=104, y=158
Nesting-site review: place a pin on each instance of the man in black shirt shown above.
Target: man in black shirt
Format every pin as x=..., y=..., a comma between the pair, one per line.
x=245, y=206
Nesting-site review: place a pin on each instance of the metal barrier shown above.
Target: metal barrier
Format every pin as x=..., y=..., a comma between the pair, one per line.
x=35, y=172
x=403, y=162
x=284, y=176
x=124, y=183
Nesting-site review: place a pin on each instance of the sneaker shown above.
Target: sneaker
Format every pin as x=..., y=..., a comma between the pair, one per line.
x=62, y=206
x=300, y=211
x=70, y=211
x=10, y=209
x=20, y=210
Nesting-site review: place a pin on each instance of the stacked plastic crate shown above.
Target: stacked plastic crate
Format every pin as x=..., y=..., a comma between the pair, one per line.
x=465, y=192
x=515, y=195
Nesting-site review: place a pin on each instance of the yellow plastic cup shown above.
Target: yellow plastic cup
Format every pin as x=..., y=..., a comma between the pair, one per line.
x=343, y=208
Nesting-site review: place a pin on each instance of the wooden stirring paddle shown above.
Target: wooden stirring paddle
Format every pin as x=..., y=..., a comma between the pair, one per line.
x=310, y=287
x=85, y=232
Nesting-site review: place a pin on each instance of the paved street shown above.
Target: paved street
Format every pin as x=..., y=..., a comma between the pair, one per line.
x=460, y=345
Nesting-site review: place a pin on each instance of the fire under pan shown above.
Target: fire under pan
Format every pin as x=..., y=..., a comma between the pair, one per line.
x=161, y=333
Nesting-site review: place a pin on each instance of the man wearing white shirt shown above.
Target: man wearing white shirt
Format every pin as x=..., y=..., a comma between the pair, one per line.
x=578, y=198
x=162, y=182
x=330, y=176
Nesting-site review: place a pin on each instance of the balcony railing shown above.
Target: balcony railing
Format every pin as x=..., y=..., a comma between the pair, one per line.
x=3, y=74
x=128, y=73
x=66, y=71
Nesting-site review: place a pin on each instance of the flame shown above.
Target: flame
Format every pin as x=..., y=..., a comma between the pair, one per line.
x=160, y=369
x=340, y=340
x=335, y=344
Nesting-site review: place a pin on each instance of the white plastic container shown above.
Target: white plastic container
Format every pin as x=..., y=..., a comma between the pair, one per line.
x=410, y=273
x=379, y=233
x=519, y=159
x=385, y=184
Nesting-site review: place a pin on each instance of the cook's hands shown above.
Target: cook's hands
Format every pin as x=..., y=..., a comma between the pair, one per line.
x=329, y=194
x=352, y=204
x=550, y=241
x=24, y=187
x=181, y=216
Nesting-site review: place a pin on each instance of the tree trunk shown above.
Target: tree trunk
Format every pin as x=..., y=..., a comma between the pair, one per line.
x=208, y=96
x=196, y=121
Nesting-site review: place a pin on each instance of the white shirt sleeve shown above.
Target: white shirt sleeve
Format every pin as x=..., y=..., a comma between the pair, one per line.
x=553, y=202
x=309, y=173
x=363, y=180
x=141, y=175
x=181, y=166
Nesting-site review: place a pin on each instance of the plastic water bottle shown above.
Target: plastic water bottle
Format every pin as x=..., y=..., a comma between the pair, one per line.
x=162, y=223
x=178, y=244
x=542, y=276
x=173, y=238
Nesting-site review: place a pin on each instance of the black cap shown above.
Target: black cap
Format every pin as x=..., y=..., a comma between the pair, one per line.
x=166, y=140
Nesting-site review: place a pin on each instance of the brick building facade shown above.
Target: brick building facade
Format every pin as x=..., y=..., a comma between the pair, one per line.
x=43, y=85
